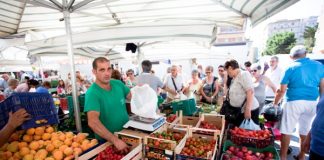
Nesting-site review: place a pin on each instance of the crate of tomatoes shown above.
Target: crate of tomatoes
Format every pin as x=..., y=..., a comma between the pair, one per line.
x=134, y=152
x=258, y=138
x=211, y=122
x=232, y=151
x=198, y=146
x=160, y=145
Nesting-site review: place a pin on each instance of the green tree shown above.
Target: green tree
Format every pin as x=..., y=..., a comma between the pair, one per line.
x=309, y=37
x=280, y=43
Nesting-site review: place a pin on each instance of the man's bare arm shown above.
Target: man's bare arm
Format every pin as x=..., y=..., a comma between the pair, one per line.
x=96, y=125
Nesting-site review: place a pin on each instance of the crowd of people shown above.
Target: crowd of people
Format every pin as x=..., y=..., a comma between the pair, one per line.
x=244, y=88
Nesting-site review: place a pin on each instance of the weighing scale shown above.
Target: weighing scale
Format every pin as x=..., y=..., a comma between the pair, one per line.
x=145, y=124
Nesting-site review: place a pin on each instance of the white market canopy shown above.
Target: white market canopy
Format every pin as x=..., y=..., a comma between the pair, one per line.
x=17, y=16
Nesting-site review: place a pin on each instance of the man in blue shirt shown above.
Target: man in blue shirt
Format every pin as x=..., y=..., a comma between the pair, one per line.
x=44, y=88
x=301, y=80
x=314, y=141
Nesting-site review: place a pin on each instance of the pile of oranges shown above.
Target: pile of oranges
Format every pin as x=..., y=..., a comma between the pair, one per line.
x=43, y=143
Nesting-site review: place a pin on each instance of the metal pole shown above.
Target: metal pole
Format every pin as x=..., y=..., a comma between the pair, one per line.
x=66, y=14
x=41, y=68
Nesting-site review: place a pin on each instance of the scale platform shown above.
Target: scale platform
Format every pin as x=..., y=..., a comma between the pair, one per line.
x=146, y=124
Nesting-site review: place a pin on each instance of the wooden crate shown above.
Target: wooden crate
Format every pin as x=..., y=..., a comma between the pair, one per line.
x=135, y=143
x=184, y=122
x=155, y=153
x=218, y=121
x=193, y=133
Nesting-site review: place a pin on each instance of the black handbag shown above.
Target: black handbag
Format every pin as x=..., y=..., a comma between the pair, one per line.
x=231, y=113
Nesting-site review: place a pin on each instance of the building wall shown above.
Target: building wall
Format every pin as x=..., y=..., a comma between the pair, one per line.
x=297, y=26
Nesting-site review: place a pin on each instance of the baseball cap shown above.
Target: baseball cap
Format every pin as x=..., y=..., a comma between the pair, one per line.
x=297, y=50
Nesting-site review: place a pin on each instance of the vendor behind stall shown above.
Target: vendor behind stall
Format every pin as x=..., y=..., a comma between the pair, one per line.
x=105, y=104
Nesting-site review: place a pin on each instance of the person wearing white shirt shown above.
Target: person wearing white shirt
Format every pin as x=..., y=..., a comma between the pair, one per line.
x=173, y=84
x=274, y=73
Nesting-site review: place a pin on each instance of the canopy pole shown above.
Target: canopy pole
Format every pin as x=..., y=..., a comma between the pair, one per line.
x=41, y=68
x=66, y=14
x=140, y=58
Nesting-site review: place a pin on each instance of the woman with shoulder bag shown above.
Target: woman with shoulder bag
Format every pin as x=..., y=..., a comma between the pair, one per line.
x=209, y=89
x=240, y=102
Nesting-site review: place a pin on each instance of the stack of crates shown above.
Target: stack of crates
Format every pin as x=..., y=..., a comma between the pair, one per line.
x=40, y=106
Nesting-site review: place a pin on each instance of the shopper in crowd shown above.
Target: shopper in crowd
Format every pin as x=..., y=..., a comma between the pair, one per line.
x=105, y=104
x=60, y=87
x=193, y=86
x=265, y=67
x=15, y=120
x=166, y=75
x=68, y=82
x=13, y=83
x=314, y=142
x=32, y=84
x=23, y=87
x=80, y=84
x=174, y=84
x=301, y=80
x=241, y=93
x=131, y=79
x=201, y=73
x=209, y=89
x=274, y=73
x=152, y=72
x=247, y=66
x=4, y=82
x=23, y=76
x=44, y=87
x=86, y=84
x=147, y=78
x=221, y=84
x=260, y=82
x=184, y=75
x=117, y=75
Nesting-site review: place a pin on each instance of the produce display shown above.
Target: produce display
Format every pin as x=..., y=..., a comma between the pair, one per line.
x=207, y=125
x=259, y=134
x=44, y=143
x=166, y=136
x=171, y=118
x=243, y=153
x=111, y=153
x=198, y=147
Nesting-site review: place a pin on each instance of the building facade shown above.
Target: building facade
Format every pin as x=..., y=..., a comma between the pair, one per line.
x=297, y=26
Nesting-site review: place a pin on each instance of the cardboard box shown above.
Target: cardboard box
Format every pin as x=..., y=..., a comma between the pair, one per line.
x=164, y=149
x=193, y=133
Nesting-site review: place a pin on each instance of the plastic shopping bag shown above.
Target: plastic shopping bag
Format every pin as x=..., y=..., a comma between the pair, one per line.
x=144, y=101
x=249, y=124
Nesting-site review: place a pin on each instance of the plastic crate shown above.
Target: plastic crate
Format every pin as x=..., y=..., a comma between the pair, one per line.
x=188, y=106
x=4, y=112
x=39, y=105
x=251, y=141
x=270, y=148
x=81, y=99
x=64, y=103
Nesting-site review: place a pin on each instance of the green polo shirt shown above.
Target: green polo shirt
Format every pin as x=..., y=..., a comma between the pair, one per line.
x=110, y=104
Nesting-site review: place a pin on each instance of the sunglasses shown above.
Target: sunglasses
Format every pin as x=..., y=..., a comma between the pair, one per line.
x=255, y=70
x=220, y=70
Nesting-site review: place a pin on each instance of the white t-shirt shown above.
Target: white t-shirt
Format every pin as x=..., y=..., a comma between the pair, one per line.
x=178, y=82
x=239, y=85
x=275, y=77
